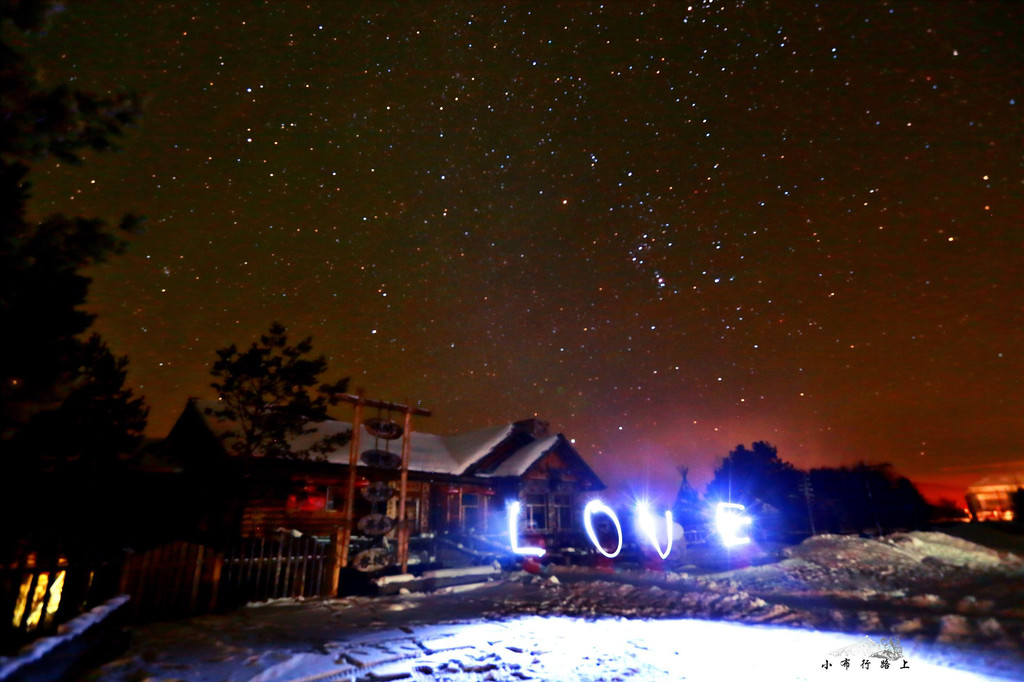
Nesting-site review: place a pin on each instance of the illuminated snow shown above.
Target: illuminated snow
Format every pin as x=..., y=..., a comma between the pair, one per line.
x=951, y=604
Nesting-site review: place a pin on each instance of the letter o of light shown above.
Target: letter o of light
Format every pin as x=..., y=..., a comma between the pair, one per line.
x=599, y=507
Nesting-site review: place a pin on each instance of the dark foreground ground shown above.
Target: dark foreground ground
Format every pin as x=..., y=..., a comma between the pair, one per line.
x=926, y=606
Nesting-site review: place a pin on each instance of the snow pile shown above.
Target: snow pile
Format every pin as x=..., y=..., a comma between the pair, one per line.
x=903, y=549
x=952, y=550
x=895, y=566
x=930, y=586
x=37, y=650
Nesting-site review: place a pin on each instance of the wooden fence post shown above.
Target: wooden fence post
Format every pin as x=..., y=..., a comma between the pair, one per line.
x=126, y=569
x=275, y=589
x=197, y=575
x=338, y=541
x=218, y=564
x=301, y=566
x=403, y=489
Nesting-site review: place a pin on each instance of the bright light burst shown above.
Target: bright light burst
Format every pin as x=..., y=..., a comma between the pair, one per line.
x=645, y=519
x=729, y=522
x=513, y=533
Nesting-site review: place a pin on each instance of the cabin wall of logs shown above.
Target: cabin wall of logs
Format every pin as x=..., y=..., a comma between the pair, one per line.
x=315, y=505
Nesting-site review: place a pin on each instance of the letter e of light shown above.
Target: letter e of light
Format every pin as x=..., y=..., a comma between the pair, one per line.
x=729, y=521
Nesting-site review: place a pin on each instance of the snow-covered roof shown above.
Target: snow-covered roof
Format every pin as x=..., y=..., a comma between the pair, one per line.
x=430, y=452
x=1008, y=482
x=518, y=462
x=451, y=454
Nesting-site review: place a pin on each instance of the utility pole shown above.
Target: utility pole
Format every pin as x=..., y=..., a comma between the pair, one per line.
x=808, y=491
x=871, y=503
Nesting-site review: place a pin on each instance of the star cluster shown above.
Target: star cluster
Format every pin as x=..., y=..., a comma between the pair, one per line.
x=667, y=228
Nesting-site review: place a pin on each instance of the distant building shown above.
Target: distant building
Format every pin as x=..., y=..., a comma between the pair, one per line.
x=991, y=498
x=458, y=482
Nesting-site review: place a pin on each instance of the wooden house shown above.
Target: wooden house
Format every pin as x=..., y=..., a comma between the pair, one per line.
x=459, y=482
x=991, y=498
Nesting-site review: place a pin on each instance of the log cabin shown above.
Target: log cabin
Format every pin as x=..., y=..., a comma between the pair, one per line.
x=456, y=483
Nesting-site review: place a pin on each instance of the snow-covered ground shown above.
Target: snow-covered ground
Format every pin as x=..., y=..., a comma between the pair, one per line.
x=916, y=605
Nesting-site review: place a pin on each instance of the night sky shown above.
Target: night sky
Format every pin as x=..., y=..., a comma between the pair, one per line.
x=666, y=229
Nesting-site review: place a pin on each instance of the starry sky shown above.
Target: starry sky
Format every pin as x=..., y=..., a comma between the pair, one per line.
x=667, y=228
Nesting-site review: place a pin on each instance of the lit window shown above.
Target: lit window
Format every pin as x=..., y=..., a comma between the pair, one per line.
x=470, y=511
x=536, y=512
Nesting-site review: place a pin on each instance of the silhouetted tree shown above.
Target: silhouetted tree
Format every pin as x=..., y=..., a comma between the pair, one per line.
x=765, y=484
x=866, y=498
x=42, y=280
x=948, y=510
x=98, y=423
x=65, y=413
x=271, y=393
x=903, y=505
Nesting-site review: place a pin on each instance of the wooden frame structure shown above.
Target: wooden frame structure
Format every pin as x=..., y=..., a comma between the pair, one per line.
x=359, y=402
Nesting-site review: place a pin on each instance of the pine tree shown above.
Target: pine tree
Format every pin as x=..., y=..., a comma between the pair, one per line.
x=62, y=393
x=768, y=486
x=270, y=393
x=95, y=425
x=42, y=284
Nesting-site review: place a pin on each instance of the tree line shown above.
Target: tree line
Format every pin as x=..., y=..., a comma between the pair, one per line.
x=789, y=502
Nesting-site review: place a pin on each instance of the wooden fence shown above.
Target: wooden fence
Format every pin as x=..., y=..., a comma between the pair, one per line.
x=183, y=579
x=174, y=580
x=259, y=569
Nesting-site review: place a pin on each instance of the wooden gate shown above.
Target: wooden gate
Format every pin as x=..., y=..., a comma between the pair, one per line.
x=174, y=580
x=258, y=569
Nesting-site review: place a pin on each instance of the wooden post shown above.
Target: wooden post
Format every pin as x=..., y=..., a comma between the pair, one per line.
x=335, y=559
x=197, y=576
x=350, y=489
x=403, y=484
x=218, y=565
x=126, y=570
x=357, y=420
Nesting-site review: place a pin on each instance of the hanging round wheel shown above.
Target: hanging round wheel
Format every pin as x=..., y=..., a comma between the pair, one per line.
x=378, y=491
x=378, y=427
x=375, y=524
x=373, y=559
x=381, y=459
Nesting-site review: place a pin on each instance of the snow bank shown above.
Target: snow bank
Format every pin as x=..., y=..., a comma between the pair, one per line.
x=902, y=549
x=437, y=579
x=37, y=652
x=897, y=565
